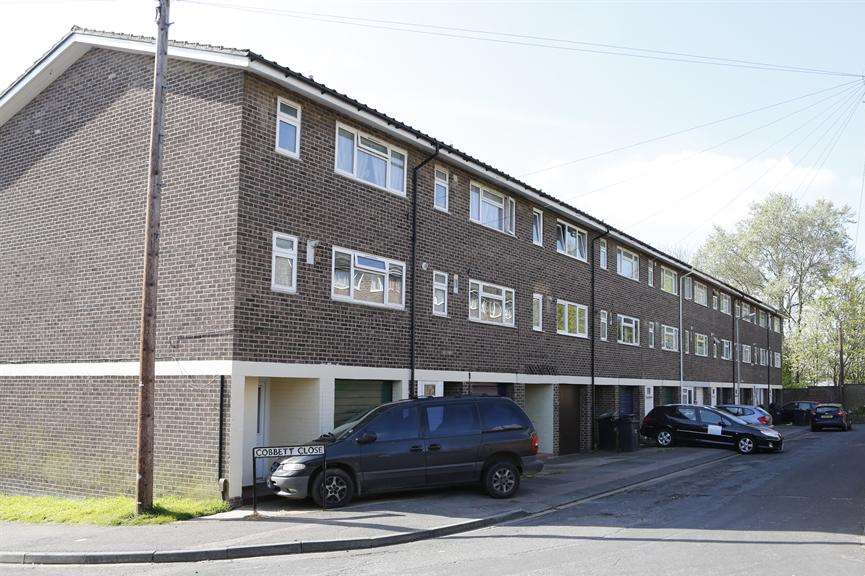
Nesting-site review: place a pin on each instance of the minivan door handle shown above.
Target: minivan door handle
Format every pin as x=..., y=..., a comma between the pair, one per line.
x=435, y=446
x=416, y=449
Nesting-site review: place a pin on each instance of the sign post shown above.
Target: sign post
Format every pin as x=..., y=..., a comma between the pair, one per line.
x=282, y=452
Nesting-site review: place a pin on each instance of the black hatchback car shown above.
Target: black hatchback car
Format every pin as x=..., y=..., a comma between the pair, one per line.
x=831, y=416
x=687, y=424
x=412, y=444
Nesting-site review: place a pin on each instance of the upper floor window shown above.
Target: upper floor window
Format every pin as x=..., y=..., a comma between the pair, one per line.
x=572, y=319
x=283, y=263
x=763, y=320
x=701, y=295
x=746, y=312
x=764, y=357
x=287, y=128
x=650, y=273
x=603, y=253
x=629, y=330
x=669, y=280
x=776, y=324
x=715, y=299
x=537, y=312
x=628, y=264
x=727, y=350
x=746, y=354
x=538, y=227
x=701, y=344
x=442, y=189
x=571, y=241
x=670, y=339
x=491, y=209
x=366, y=279
x=725, y=303
x=490, y=303
x=605, y=324
x=687, y=288
x=777, y=359
x=687, y=340
x=651, y=334
x=440, y=293
x=370, y=160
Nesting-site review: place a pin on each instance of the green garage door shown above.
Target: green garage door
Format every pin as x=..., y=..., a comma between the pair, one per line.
x=669, y=395
x=352, y=397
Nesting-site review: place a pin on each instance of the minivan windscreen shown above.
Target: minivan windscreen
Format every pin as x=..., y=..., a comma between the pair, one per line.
x=348, y=427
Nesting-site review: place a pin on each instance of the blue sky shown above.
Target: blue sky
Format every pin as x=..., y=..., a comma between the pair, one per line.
x=525, y=108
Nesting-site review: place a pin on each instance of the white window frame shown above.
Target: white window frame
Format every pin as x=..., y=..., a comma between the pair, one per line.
x=777, y=359
x=443, y=286
x=509, y=208
x=583, y=257
x=634, y=323
x=716, y=299
x=283, y=253
x=763, y=319
x=296, y=122
x=602, y=253
x=650, y=273
x=447, y=188
x=358, y=134
x=742, y=357
x=539, y=298
x=687, y=288
x=687, y=340
x=725, y=307
x=605, y=325
x=355, y=254
x=673, y=332
x=776, y=324
x=584, y=333
x=651, y=342
x=635, y=260
x=726, y=349
x=505, y=290
x=705, y=291
x=665, y=274
x=764, y=357
x=538, y=218
x=705, y=340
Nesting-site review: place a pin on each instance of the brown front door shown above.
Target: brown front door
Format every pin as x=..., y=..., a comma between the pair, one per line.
x=569, y=418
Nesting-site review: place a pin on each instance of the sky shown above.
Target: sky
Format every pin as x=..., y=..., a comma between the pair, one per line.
x=537, y=111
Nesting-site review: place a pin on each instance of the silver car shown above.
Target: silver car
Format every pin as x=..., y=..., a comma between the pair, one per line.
x=751, y=414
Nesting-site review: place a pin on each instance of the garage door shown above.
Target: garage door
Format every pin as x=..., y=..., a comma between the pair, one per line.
x=669, y=395
x=627, y=401
x=352, y=397
x=569, y=419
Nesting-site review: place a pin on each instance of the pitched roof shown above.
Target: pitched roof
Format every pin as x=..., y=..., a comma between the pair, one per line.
x=79, y=40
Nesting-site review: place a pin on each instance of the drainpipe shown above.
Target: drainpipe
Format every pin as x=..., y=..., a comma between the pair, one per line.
x=682, y=333
x=414, y=267
x=593, y=337
x=768, y=358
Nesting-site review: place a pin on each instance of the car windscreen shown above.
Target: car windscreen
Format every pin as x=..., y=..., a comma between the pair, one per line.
x=348, y=427
x=827, y=409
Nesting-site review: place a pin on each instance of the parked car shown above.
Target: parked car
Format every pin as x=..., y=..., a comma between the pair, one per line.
x=797, y=412
x=831, y=416
x=751, y=414
x=413, y=444
x=688, y=424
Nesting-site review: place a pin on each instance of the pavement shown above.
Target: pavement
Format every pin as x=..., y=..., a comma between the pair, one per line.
x=286, y=527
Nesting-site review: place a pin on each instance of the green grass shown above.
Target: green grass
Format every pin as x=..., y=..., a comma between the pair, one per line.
x=113, y=511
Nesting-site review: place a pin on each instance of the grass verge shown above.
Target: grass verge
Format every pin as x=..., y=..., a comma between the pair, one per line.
x=111, y=511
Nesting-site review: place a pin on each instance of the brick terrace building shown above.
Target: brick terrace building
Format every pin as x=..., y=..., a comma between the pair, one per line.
x=290, y=294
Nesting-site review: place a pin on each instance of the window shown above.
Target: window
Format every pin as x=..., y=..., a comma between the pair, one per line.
x=725, y=303
x=670, y=338
x=756, y=356
x=442, y=189
x=714, y=299
x=701, y=344
x=710, y=417
x=605, y=325
x=764, y=357
x=776, y=324
x=370, y=160
x=628, y=264
x=746, y=312
x=700, y=294
x=287, y=128
x=572, y=319
x=687, y=342
x=714, y=347
x=401, y=423
x=367, y=279
x=537, y=312
x=538, y=227
x=669, y=280
x=763, y=320
x=726, y=350
x=650, y=273
x=502, y=415
x=283, y=265
x=491, y=304
x=746, y=354
x=687, y=288
x=629, y=330
x=571, y=241
x=777, y=359
x=491, y=209
x=685, y=412
x=738, y=309
x=603, y=254
x=440, y=293
x=453, y=419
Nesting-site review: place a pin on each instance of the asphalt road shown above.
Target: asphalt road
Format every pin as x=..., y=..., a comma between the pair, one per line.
x=797, y=513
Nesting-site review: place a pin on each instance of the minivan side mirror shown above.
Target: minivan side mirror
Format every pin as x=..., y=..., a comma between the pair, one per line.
x=367, y=438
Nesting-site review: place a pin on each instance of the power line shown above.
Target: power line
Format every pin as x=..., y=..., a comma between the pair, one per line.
x=859, y=212
x=536, y=41
x=846, y=91
x=728, y=172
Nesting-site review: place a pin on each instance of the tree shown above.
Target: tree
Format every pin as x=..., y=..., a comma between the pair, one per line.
x=783, y=252
x=841, y=309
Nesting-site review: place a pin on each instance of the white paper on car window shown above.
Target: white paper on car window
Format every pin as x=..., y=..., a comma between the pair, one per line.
x=714, y=430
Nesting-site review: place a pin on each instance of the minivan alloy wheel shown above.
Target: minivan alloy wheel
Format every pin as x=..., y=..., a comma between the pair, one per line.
x=335, y=489
x=503, y=480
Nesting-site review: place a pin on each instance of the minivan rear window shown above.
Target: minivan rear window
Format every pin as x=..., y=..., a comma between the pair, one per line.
x=502, y=415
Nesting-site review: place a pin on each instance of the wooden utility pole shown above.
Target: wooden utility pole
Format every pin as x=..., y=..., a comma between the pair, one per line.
x=144, y=444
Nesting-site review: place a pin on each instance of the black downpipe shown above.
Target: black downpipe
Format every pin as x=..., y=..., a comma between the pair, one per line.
x=221, y=457
x=593, y=337
x=414, y=268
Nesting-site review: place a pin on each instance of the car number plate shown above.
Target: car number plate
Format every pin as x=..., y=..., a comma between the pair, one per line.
x=827, y=416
